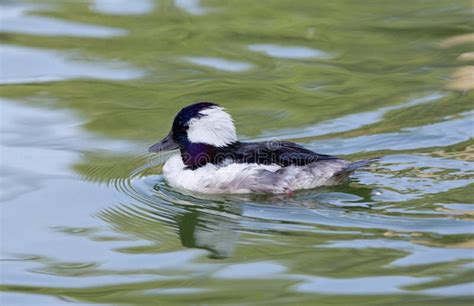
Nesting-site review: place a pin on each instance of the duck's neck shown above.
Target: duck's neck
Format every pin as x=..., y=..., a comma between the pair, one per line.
x=195, y=155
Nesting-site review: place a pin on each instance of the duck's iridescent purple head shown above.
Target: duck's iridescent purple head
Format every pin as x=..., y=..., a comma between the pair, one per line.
x=200, y=123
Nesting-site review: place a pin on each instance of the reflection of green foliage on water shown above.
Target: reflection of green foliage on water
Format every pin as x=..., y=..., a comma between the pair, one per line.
x=382, y=55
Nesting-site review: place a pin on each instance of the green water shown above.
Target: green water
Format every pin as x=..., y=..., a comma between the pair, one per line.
x=86, y=216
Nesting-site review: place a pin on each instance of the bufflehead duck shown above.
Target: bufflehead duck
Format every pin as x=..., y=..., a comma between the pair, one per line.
x=213, y=160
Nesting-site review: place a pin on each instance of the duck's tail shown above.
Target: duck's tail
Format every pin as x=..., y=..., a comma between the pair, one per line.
x=351, y=167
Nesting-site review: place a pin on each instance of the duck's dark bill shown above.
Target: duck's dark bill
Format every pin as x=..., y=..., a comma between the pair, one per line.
x=166, y=144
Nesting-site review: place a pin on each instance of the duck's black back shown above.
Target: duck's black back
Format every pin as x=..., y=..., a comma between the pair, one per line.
x=267, y=153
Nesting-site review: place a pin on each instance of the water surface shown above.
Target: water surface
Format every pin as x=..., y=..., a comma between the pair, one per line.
x=87, y=86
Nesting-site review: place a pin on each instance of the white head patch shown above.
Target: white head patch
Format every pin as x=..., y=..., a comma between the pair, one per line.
x=215, y=127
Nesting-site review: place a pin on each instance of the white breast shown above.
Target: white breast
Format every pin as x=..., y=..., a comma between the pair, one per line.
x=247, y=178
x=231, y=178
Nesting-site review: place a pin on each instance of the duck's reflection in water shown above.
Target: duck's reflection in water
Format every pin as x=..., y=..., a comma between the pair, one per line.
x=214, y=233
x=158, y=216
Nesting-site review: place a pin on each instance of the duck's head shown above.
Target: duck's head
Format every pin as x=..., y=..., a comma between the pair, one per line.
x=201, y=124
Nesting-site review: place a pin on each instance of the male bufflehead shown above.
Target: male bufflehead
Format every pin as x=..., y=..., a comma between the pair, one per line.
x=213, y=160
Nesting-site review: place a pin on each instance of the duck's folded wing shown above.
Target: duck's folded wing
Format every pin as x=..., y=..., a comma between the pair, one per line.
x=279, y=153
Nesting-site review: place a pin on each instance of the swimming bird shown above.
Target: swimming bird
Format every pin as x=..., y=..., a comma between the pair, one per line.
x=211, y=159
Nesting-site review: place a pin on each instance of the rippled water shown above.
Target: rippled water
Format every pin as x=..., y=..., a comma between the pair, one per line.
x=86, y=216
